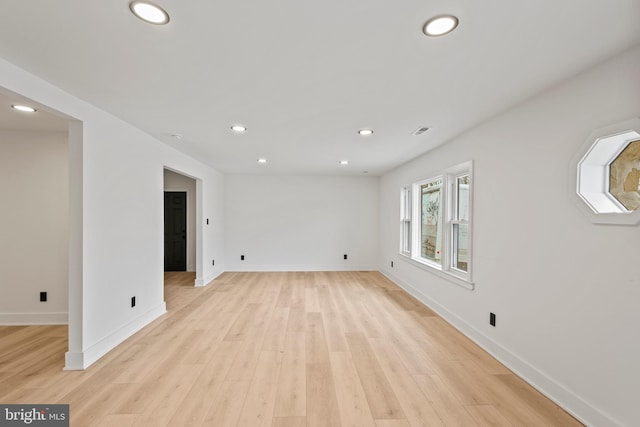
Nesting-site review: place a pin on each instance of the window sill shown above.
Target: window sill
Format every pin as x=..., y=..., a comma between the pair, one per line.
x=437, y=272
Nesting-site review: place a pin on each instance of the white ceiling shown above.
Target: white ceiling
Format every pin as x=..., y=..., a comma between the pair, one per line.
x=305, y=76
x=13, y=120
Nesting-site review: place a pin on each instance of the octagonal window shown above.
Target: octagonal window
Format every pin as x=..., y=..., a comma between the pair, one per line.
x=606, y=172
x=624, y=176
x=606, y=187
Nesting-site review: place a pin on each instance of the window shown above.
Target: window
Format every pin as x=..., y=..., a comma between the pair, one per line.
x=436, y=223
x=430, y=231
x=624, y=178
x=405, y=221
x=607, y=182
x=460, y=224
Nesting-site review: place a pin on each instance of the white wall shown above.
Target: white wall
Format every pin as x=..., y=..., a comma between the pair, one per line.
x=301, y=223
x=33, y=227
x=176, y=182
x=116, y=219
x=566, y=292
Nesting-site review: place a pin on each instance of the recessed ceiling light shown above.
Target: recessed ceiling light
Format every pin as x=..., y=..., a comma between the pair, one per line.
x=344, y=162
x=262, y=161
x=149, y=12
x=24, y=108
x=365, y=132
x=238, y=128
x=440, y=25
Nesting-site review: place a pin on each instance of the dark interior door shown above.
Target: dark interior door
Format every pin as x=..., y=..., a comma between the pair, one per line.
x=175, y=231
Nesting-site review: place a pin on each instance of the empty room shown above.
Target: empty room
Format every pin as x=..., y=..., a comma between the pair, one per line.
x=358, y=213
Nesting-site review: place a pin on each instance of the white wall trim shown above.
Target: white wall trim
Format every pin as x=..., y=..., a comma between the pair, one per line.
x=199, y=221
x=565, y=398
x=73, y=361
x=335, y=267
x=204, y=282
x=81, y=361
x=18, y=319
x=76, y=243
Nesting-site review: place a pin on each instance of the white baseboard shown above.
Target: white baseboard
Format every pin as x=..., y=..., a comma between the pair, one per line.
x=204, y=282
x=281, y=268
x=585, y=412
x=73, y=361
x=23, y=319
x=81, y=361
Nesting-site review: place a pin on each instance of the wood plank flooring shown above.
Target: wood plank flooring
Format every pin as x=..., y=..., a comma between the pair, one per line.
x=279, y=349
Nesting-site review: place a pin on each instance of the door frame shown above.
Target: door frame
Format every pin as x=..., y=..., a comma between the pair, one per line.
x=199, y=215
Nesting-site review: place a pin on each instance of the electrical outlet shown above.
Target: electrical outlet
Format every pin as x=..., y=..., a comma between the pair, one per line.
x=345, y=256
x=43, y=297
x=241, y=257
x=492, y=319
x=133, y=302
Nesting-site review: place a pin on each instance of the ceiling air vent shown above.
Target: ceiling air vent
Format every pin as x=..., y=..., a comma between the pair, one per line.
x=420, y=131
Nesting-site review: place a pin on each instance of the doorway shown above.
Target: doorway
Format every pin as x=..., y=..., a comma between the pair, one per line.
x=178, y=186
x=175, y=231
x=41, y=173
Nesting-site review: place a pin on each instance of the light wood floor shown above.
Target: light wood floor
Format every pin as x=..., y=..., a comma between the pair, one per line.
x=279, y=349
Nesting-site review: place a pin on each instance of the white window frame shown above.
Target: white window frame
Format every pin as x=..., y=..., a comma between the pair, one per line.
x=452, y=220
x=449, y=220
x=416, y=250
x=405, y=221
x=590, y=174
